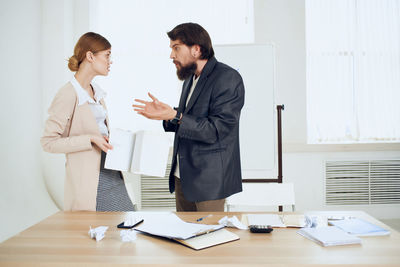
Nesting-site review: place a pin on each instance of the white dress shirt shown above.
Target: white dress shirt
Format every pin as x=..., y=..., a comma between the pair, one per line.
x=97, y=108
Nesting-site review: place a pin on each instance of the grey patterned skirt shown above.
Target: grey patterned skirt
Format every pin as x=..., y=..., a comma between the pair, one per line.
x=111, y=192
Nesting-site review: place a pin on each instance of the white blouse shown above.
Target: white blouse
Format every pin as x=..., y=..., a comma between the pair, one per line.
x=98, y=110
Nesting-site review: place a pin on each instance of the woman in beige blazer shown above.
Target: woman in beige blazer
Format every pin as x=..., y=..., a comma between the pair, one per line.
x=78, y=126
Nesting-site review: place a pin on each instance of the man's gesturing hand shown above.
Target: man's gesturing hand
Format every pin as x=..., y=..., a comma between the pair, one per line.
x=155, y=109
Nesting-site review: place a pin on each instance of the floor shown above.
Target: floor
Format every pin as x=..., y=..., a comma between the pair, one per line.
x=393, y=223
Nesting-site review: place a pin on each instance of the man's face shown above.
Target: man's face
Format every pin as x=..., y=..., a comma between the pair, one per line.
x=183, y=59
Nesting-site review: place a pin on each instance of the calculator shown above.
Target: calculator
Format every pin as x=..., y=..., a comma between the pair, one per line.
x=260, y=228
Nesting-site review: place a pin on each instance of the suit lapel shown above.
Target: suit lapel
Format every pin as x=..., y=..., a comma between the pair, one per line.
x=185, y=93
x=200, y=84
x=107, y=121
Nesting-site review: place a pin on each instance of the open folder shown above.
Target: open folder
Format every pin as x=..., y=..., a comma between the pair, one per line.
x=194, y=235
x=142, y=152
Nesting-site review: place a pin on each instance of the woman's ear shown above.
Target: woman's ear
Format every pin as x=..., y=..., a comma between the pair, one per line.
x=89, y=56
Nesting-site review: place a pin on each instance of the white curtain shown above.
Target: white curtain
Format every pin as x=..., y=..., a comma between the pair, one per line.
x=353, y=71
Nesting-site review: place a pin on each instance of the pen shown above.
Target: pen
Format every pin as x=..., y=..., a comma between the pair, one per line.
x=202, y=218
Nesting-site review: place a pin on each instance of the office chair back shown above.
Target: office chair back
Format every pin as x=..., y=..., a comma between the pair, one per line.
x=260, y=196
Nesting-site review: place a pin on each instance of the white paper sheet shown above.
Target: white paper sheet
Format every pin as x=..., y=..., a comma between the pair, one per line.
x=171, y=226
x=265, y=219
x=329, y=236
x=142, y=152
x=150, y=155
x=132, y=219
x=359, y=227
x=232, y=222
x=120, y=157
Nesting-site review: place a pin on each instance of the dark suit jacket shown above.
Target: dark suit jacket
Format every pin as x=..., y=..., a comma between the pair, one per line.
x=207, y=139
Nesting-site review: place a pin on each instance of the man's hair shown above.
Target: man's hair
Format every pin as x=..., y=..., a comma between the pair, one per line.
x=193, y=34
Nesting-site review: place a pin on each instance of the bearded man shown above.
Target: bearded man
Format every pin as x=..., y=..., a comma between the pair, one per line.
x=206, y=157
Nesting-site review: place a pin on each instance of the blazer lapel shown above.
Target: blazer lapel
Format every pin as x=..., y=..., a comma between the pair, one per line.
x=185, y=93
x=107, y=121
x=200, y=84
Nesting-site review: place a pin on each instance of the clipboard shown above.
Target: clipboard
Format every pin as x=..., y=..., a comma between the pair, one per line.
x=209, y=239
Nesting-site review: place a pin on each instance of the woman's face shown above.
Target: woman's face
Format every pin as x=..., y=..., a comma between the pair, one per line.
x=102, y=62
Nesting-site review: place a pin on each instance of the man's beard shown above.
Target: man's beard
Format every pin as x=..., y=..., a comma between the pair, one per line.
x=185, y=71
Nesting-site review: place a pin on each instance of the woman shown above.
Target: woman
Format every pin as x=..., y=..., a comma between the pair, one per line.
x=78, y=126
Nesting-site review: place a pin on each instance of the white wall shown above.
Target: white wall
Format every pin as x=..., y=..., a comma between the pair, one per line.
x=23, y=196
x=283, y=23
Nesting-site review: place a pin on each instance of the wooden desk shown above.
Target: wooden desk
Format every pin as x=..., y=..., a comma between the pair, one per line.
x=62, y=240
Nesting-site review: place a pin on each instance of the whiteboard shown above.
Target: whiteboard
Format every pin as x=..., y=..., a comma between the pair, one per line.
x=258, y=145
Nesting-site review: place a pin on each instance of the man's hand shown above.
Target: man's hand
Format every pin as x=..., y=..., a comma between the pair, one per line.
x=154, y=110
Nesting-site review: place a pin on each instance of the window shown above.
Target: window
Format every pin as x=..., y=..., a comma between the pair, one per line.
x=353, y=71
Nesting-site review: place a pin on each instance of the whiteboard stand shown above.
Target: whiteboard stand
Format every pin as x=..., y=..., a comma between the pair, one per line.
x=280, y=174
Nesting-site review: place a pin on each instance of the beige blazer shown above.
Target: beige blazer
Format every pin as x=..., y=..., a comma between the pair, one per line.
x=68, y=130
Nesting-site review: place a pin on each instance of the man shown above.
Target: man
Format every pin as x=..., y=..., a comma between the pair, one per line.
x=206, y=158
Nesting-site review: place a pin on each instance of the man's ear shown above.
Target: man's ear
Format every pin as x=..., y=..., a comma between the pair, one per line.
x=89, y=56
x=196, y=51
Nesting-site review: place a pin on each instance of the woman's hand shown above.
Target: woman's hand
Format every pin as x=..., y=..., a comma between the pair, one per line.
x=155, y=110
x=101, y=142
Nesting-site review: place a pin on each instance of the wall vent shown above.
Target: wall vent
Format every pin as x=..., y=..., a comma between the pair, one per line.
x=155, y=191
x=362, y=182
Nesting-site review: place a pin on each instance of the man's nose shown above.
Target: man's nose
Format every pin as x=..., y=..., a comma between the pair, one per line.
x=172, y=55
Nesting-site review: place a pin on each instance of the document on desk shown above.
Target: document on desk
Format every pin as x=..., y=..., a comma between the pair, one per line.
x=359, y=227
x=208, y=240
x=329, y=236
x=143, y=152
x=275, y=220
x=265, y=219
x=193, y=235
x=170, y=225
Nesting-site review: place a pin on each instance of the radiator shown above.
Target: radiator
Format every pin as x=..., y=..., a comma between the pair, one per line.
x=155, y=191
x=362, y=182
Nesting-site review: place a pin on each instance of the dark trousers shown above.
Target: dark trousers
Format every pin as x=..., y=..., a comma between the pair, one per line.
x=183, y=205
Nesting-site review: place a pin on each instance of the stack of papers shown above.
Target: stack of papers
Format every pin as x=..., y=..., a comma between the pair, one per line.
x=329, y=236
x=359, y=227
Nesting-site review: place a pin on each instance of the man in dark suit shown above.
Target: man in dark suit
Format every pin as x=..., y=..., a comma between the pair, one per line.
x=206, y=159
